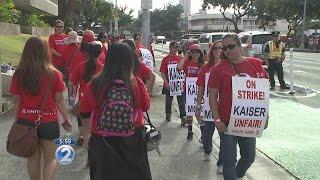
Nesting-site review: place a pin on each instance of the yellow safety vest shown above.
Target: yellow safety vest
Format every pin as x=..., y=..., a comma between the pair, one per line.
x=275, y=52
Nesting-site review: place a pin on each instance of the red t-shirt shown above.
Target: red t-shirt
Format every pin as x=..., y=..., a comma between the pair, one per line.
x=68, y=53
x=79, y=57
x=170, y=59
x=56, y=43
x=201, y=81
x=221, y=79
x=102, y=57
x=30, y=105
x=78, y=73
x=191, y=69
x=144, y=72
x=88, y=104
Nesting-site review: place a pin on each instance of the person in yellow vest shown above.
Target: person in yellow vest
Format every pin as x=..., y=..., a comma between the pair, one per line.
x=274, y=50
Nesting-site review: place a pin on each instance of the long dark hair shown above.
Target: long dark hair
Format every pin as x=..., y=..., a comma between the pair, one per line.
x=136, y=61
x=119, y=65
x=34, y=63
x=93, y=51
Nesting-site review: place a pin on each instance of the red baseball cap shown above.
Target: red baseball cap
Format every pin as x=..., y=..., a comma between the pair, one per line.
x=195, y=47
x=88, y=36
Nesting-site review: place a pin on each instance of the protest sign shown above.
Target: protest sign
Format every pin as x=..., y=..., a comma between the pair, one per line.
x=147, y=57
x=207, y=113
x=191, y=95
x=176, y=80
x=250, y=106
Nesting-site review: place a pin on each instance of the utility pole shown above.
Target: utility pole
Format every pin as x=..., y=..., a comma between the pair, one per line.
x=116, y=19
x=303, y=25
x=146, y=5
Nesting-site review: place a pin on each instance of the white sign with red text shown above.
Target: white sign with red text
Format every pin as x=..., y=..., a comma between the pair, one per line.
x=176, y=80
x=250, y=106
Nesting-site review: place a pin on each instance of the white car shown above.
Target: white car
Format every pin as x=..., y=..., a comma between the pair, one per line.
x=160, y=39
x=253, y=44
x=206, y=40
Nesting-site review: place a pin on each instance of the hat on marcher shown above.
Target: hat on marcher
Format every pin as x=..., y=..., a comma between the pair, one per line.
x=72, y=38
x=96, y=43
x=88, y=36
x=195, y=47
x=173, y=44
x=275, y=33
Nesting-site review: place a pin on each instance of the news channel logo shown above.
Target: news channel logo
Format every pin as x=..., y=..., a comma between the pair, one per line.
x=65, y=154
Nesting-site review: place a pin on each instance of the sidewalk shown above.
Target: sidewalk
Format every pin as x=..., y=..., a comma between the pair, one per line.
x=182, y=159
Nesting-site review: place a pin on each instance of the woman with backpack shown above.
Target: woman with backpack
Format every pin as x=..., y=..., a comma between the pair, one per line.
x=208, y=130
x=83, y=73
x=114, y=100
x=38, y=92
x=191, y=67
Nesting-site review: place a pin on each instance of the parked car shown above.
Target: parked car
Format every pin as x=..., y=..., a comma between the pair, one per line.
x=160, y=39
x=187, y=40
x=206, y=40
x=253, y=44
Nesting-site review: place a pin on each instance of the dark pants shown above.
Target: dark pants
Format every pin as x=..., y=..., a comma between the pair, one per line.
x=208, y=131
x=127, y=159
x=181, y=102
x=232, y=169
x=275, y=65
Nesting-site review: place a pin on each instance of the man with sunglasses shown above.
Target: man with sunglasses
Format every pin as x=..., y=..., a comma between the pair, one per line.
x=275, y=52
x=56, y=45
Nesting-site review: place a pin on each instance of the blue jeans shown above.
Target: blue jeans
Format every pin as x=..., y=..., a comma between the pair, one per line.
x=208, y=131
x=232, y=169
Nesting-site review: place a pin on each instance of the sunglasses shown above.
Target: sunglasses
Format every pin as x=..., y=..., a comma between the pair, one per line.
x=195, y=51
x=216, y=48
x=230, y=47
x=59, y=26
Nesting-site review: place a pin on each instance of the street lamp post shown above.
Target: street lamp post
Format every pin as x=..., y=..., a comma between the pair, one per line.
x=303, y=25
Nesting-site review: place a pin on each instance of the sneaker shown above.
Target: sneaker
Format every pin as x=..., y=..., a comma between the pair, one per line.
x=183, y=121
x=190, y=136
x=168, y=117
x=206, y=157
x=79, y=141
x=220, y=170
x=284, y=87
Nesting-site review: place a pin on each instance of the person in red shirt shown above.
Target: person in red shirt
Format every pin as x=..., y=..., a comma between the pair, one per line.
x=68, y=52
x=137, y=40
x=56, y=45
x=109, y=156
x=35, y=84
x=141, y=70
x=191, y=68
x=208, y=129
x=172, y=58
x=83, y=73
x=220, y=83
x=103, y=38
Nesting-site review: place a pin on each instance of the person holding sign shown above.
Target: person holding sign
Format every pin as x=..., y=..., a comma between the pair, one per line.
x=202, y=96
x=172, y=60
x=191, y=68
x=232, y=66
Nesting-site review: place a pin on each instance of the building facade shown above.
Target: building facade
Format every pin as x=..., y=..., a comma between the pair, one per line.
x=48, y=7
x=216, y=22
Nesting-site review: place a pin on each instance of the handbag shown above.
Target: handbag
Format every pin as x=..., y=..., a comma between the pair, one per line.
x=23, y=139
x=152, y=135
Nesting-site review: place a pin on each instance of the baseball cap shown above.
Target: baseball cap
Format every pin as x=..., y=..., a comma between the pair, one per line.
x=72, y=38
x=194, y=47
x=88, y=36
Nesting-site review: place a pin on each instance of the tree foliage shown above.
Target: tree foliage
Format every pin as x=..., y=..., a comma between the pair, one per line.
x=8, y=13
x=265, y=11
x=91, y=13
x=125, y=18
x=240, y=8
x=166, y=21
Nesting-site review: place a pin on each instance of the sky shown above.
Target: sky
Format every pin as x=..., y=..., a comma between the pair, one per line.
x=136, y=4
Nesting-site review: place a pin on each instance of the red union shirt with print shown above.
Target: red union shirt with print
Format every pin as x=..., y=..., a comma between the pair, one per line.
x=221, y=79
x=202, y=74
x=30, y=105
x=56, y=43
x=89, y=104
x=170, y=59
